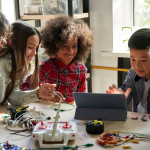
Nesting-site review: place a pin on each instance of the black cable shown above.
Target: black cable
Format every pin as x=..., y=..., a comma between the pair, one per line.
x=16, y=132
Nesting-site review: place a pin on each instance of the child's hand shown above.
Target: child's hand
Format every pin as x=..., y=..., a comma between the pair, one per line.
x=114, y=90
x=46, y=90
x=55, y=98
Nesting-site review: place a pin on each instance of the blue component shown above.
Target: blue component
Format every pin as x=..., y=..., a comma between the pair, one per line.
x=10, y=147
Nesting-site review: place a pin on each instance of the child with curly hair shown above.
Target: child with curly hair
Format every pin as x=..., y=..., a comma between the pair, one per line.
x=67, y=41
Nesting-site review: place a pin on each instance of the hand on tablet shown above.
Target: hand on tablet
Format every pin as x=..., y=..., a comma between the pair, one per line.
x=114, y=90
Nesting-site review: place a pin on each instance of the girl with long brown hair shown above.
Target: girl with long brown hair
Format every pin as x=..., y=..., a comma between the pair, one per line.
x=15, y=65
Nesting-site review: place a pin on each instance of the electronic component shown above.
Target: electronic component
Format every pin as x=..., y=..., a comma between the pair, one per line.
x=57, y=132
x=7, y=146
x=65, y=131
x=24, y=118
x=144, y=118
x=135, y=118
x=95, y=127
x=15, y=113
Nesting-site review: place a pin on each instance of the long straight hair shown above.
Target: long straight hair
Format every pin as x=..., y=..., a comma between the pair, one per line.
x=17, y=49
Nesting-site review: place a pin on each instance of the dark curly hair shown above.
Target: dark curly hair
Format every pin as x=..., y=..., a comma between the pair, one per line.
x=63, y=28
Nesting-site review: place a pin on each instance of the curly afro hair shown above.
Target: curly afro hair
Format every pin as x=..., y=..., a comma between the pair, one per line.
x=63, y=28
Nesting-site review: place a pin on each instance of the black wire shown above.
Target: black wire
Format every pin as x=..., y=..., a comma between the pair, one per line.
x=16, y=132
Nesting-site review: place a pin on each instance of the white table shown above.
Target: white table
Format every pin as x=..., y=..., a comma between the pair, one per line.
x=130, y=125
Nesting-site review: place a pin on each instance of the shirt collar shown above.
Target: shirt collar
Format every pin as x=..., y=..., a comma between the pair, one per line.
x=61, y=65
x=134, y=75
x=137, y=78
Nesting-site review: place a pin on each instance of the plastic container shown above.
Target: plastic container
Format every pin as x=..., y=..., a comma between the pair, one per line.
x=54, y=6
x=33, y=9
x=33, y=2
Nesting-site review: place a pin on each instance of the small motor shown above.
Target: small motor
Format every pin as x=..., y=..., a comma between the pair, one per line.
x=95, y=127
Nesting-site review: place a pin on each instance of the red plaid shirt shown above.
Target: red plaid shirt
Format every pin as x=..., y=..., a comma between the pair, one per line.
x=69, y=78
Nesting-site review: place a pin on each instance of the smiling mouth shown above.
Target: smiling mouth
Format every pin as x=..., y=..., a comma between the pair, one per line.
x=69, y=56
x=29, y=58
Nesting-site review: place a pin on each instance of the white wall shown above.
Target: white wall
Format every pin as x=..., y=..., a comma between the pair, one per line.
x=122, y=17
x=106, y=18
x=8, y=9
x=101, y=23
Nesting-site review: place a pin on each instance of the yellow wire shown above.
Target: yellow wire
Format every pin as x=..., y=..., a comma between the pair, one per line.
x=110, y=68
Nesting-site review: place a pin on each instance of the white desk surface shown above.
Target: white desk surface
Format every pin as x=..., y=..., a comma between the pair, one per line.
x=130, y=125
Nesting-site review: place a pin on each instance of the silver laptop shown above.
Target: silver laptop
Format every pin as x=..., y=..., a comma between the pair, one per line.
x=100, y=106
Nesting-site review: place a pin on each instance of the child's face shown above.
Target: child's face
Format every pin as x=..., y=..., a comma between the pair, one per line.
x=68, y=51
x=32, y=44
x=140, y=62
x=2, y=42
